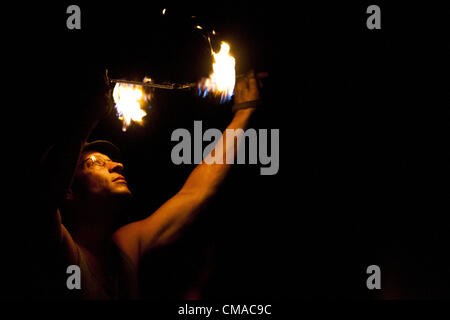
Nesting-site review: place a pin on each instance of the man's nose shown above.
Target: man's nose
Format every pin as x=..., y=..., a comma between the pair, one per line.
x=116, y=167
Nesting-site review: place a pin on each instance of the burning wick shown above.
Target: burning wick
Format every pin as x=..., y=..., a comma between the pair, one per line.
x=221, y=81
x=129, y=99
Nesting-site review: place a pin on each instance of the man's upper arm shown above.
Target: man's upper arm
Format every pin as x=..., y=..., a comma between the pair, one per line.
x=55, y=176
x=68, y=247
x=51, y=236
x=65, y=245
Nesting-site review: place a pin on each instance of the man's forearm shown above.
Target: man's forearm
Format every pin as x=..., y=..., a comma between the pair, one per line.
x=206, y=178
x=166, y=224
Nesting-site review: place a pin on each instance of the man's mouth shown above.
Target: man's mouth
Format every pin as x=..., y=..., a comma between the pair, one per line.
x=120, y=179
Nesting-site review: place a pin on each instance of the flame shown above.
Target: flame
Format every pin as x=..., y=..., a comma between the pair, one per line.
x=129, y=98
x=221, y=81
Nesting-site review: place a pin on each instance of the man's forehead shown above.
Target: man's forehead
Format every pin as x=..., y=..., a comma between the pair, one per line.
x=88, y=154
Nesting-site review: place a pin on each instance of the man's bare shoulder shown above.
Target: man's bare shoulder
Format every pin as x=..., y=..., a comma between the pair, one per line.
x=126, y=239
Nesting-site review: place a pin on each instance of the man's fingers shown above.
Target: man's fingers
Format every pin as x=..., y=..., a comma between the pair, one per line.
x=262, y=75
x=252, y=75
x=259, y=75
x=252, y=84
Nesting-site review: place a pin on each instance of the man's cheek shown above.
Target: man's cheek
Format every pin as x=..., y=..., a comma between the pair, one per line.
x=98, y=184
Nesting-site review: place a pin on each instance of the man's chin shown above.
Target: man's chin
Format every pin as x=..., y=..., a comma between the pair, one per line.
x=122, y=193
x=126, y=193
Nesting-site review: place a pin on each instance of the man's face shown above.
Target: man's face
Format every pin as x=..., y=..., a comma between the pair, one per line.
x=101, y=177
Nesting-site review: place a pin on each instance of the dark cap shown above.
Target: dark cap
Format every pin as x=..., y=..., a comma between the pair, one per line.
x=105, y=147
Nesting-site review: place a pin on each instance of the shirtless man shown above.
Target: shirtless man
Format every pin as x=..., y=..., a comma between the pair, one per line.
x=85, y=185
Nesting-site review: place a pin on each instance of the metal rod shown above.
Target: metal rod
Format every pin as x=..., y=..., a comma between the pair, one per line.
x=170, y=86
x=176, y=86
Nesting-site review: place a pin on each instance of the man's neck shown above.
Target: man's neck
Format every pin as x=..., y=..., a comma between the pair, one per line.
x=94, y=226
x=93, y=238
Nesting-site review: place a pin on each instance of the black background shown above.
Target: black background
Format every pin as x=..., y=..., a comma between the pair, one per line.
x=363, y=166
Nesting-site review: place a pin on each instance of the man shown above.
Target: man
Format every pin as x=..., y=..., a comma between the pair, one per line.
x=86, y=187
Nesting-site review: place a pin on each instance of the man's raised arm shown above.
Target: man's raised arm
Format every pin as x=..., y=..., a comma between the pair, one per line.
x=167, y=223
x=56, y=175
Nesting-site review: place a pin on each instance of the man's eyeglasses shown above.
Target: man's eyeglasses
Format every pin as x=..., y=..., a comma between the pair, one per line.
x=96, y=161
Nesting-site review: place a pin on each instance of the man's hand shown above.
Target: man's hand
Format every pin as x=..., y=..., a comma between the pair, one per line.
x=96, y=102
x=101, y=104
x=247, y=88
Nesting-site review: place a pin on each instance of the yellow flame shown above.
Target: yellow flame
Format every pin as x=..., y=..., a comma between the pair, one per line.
x=129, y=98
x=221, y=82
x=224, y=75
